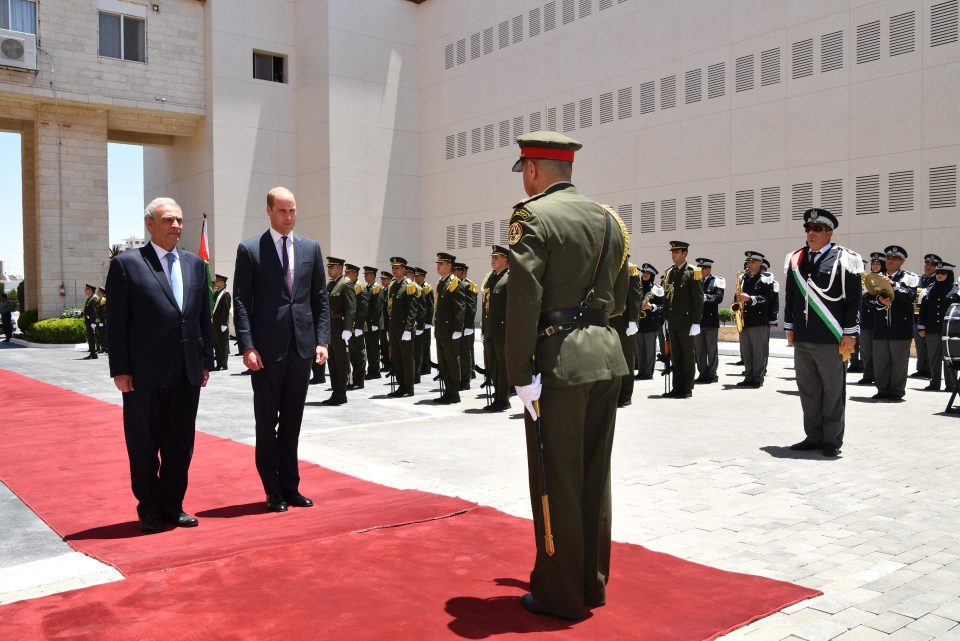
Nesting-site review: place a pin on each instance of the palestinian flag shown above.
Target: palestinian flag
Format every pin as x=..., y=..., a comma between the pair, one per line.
x=204, y=253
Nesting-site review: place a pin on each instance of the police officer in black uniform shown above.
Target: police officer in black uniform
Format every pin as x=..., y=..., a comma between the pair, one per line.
x=649, y=324
x=705, y=343
x=937, y=297
x=894, y=329
x=91, y=316
x=756, y=290
x=221, y=320
x=930, y=264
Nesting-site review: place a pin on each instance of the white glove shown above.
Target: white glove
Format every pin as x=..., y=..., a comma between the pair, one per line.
x=92, y=325
x=358, y=332
x=419, y=332
x=632, y=328
x=468, y=331
x=374, y=328
x=694, y=329
x=345, y=335
x=223, y=328
x=428, y=326
x=530, y=393
x=406, y=336
x=456, y=336
x=99, y=324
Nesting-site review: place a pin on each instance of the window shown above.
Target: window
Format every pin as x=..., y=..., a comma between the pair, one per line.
x=268, y=66
x=19, y=15
x=123, y=37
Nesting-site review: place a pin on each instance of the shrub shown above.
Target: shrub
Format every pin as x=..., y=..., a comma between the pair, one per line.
x=20, y=298
x=27, y=318
x=58, y=330
x=71, y=312
x=725, y=315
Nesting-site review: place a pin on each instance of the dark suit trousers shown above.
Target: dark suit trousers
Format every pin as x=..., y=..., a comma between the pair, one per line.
x=279, y=391
x=372, y=340
x=91, y=337
x=495, y=351
x=358, y=359
x=465, y=345
x=401, y=361
x=682, y=357
x=160, y=421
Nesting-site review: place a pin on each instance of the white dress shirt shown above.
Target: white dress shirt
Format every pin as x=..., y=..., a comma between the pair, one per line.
x=278, y=243
x=162, y=255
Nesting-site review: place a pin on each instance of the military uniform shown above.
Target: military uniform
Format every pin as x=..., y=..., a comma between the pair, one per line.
x=358, y=345
x=924, y=368
x=493, y=320
x=343, y=314
x=557, y=326
x=626, y=326
x=893, y=333
x=374, y=322
x=102, y=320
x=755, y=336
x=424, y=360
x=402, y=308
x=650, y=324
x=221, y=323
x=449, y=309
x=936, y=299
x=466, y=344
x=7, y=307
x=683, y=310
x=705, y=343
x=91, y=317
x=421, y=323
x=386, y=280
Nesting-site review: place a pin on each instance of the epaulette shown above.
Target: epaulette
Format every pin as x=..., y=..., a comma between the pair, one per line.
x=719, y=282
x=767, y=278
x=376, y=288
x=473, y=288
x=851, y=261
x=697, y=273
x=411, y=289
x=634, y=270
x=786, y=260
x=910, y=279
x=453, y=284
x=358, y=289
x=623, y=230
x=523, y=203
x=657, y=290
x=427, y=288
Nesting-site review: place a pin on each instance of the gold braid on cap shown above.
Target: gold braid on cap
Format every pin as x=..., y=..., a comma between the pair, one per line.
x=623, y=228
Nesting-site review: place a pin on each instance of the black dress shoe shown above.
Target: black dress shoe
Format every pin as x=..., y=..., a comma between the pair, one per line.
x=275, y=503
x=530, y=603
x=406, y=394
x=740, y=362
x=920, y=375
x=683, y=394
x=932, y=387
x=499, y=406
x=745, y=383
x=805, y=445
x=669, y=394
x=624, y=403
x=335, y=399
x=394, y=394
x=246, y=372
x=151, y=524
x=880, y=396
x=316, y=380
x=448, y=399
x=866, y=381
x=855, y=369
x=182, y=519
x=831, y=451
x=90, y=357
x=643, y=377
x=297, y=500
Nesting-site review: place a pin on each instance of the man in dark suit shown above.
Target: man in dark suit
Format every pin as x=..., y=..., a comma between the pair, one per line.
x=161, y=352
x=282, y=317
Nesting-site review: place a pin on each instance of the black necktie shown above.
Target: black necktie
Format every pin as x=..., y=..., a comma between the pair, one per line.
x=812, y=259
x=286, y=266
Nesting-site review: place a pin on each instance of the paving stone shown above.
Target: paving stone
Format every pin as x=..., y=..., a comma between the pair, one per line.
x=862, y=633
x=821, y=630
x=889, y=622
x=932, y=625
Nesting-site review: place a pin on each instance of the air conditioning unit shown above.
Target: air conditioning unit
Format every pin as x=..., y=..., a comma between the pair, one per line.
x=18, y=50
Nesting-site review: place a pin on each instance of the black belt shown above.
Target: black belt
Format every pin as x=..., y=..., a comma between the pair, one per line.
x=565, y=320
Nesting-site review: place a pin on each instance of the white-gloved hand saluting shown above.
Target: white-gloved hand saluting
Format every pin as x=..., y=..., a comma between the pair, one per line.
x=530, y=393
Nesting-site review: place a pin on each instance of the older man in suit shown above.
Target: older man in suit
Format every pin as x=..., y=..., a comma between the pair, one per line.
x=160, y=355
x=282, y=317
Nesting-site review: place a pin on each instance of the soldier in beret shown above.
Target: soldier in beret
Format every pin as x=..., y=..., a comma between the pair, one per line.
x=684, y=308
x=402, y=307
x=568, y=274
x=357, y=343
x=374, y=322
x=450, y=307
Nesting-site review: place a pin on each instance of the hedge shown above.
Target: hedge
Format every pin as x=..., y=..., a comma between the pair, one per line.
x=26, y=320
x=58, y=330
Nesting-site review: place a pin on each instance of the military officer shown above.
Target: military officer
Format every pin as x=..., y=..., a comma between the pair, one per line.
x=386, y=279
x=421, y=278
x=684, y=309
x=754, y=293
x=449, y=309
x=568, y=274
x=358, y=349
x=894, y=329
x=221, y=320
x=930, y=264
x=937, y=298
x=91, y=316
x=626, y=325
x=869, y=316
x=705, y=343
x=411, y=274
x=649, y=323
x=820, y=314
x=102, y=321
x=343, y=314
x=374, y=322
x=470, y=291
x=402, y=308
x=493, y=327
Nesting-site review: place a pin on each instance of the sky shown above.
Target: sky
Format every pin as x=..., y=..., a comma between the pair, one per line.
x=125, y=187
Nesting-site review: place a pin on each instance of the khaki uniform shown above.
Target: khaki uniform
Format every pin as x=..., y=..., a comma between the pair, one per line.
x=683, y=308
x=358, y=349
x=402, y=308
x=631, y=314
x=449, y=308
x=493, y=325
x=343, y=313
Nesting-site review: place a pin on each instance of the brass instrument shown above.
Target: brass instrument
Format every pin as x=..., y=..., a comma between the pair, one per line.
x=737, y=307
x=878, y=285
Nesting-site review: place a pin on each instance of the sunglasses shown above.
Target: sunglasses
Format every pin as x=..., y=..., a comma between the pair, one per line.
x=815, y=227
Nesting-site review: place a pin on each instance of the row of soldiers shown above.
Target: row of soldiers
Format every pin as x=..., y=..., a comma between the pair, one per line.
x=94, y=314
x=396, y=321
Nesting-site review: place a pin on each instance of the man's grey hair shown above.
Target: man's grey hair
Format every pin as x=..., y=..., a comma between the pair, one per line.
x=163, y=201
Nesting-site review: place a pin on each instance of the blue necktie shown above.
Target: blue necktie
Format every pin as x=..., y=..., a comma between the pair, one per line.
x=175, y=283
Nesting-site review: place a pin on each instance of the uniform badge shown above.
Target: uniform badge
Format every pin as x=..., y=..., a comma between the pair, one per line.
x=516, y=233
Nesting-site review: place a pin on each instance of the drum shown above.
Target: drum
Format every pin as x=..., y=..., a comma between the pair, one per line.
x=950, y=338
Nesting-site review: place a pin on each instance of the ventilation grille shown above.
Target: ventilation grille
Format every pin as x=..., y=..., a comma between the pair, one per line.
x=648, y=101
x=451, y=238
x=504, y=133
x=517, y=29
x=488, y=233
x=901, y=191
x=605, y=4
x=461, y=236
x=943, y=186
x=868, y=195
x=802, y=59
x=517, y=127
x=716, y=210
x=626, y=214
x=475, y=144
x=693, y=81
x=745, y=73
x=769, y=67
x=535, y=121
x=462, y=143
x=487, y=137
x=461, y=51
x=568, y=11
x=624, y=103
x=503, y=30
x=450, y=147
x=504, y=226
x=475, y=234
x=668, y=92
x=868, y=42
x=586, y=9
x=744, y=205
x=448, y=56
x=488, y=40
x=533, y=20
x=802, y=200
x=770, y=205
x=552, y=118
x=903, y=33
x=831, y=196
x=943, y=23
x=694, y=212
x=717, y=80
x=606, y=107
x=648, y=217
x=568, y=117
x=586, y=112
x=831, y=51
x=668, y=215
x=475, y=46
x=549, y=16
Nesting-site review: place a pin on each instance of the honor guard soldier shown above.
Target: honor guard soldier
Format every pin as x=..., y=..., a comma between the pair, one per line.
x=420, y=275
x=869, y=316
x=894, y=329
x=753, y=294
x=374, y=321
x=626, y=325
x=386, y=279
x=343, y=314
x=418, y=330
x=91, y=316
x=358, y=348
x=402, y=306
x=568, y=274
x=820, y=314
x=470, y=291
x=221, y=321
x=649, y=323
x=493, y=321
x=937, y=297
x=705, y=343
x=684, y=308
x=102, y=322
x=450, y=307
x=930, y=264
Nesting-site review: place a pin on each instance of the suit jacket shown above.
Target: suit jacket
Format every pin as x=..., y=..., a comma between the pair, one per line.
x=150, y=337
x=265, y=315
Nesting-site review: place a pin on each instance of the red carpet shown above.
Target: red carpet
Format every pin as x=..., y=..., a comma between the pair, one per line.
x=439, y=579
